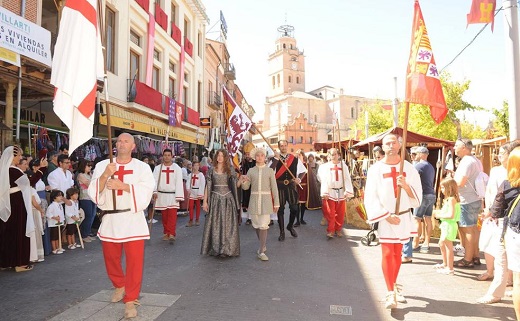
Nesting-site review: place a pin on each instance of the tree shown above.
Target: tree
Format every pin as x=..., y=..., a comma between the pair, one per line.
x=501, y=122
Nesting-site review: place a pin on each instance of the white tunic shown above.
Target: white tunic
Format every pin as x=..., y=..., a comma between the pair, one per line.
x=195, y=186
x=335, y=181
x=171, y=189
x=380, y=200
x=130, y=225
x=59, y=179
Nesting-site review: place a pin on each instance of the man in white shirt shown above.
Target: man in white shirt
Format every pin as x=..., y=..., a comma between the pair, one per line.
x=61, y=177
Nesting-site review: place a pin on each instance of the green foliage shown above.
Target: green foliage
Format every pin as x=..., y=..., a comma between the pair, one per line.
x=419, y=118
x=501, y=122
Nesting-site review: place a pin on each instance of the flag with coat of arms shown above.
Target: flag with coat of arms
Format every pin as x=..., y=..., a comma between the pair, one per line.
x=423, y=85
x=77, y=65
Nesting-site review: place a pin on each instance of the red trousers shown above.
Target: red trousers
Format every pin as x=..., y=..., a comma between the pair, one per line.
x=134, y=261
x=169, y=221
x=391, y=263
x=190, y=207
x=334, y=212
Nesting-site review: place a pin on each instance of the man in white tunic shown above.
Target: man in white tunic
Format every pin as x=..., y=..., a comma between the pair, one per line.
x=336, y=187
x=123, y=227
x=395, y=227
x=169, y=192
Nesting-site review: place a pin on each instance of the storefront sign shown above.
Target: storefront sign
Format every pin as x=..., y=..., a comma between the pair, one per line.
x=24, y=37
x=127, y=119
x=40, y=115
x=10, y=57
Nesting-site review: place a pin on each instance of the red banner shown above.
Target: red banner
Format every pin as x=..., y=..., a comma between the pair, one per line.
x=145, y=4
x=482, y=11
x=176, y=33
x=160, y=17
x=188, y=46
x=423, y=85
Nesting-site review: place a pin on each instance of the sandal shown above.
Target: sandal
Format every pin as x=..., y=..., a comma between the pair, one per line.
x=484, y=277
x=476, y=261
x=462, y=263
x=488, y=300
x=439, y=266
x=23, y=268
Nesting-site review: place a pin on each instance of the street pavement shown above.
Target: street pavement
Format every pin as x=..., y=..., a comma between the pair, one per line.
x=306, y=278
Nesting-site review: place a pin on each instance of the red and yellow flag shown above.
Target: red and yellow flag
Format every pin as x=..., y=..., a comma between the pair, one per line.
x=423, y=85
x=482, y=11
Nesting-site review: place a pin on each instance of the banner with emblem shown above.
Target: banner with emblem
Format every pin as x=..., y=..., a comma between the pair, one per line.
x=482, y=11
x=237, y=125
x=423, y=85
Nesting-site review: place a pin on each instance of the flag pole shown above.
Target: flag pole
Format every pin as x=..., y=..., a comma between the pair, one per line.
x=403, y=153
x=342, y=170
x=105, y=88
x=152, y=213
x=285, y=165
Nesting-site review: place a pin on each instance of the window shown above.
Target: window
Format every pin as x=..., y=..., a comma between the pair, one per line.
x=289, y=78
x=301, y=126
x=184, y=97
x=186, y=29
x=199, y=45
x=171, y=66
x=135, y=38
x=134, y=65
x=273, y=140
x=278, y=79
x=352, y=112
x=297, y=80
x=283, y=46
x=155, y=78
x=156, y=55
x=173, y=13
x=329, y=137
x=110, y=38
x=291, y=46
x=171, y=87
x=291, y=140
x=199, y=96
x=186, y=77
x=315, y=118
x=274, y=82
x=310, y=140
x=301, y=139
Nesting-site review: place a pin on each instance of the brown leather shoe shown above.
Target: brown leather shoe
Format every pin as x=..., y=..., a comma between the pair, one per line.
x=190, y=224
x=118, y=295
x=165, y=237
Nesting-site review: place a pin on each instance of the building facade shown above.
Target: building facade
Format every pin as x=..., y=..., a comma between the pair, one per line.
x=288, y=102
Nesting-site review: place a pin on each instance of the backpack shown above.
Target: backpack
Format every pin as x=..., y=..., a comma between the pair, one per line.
x=480, y=184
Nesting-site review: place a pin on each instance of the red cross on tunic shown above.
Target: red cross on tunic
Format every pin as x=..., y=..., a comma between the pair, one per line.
x=168, y=171
x=120, y=173
x=393, y=174
x=336, y=169
x=194, y=179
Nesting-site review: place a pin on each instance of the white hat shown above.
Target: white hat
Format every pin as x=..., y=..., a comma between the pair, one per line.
x=255, y=150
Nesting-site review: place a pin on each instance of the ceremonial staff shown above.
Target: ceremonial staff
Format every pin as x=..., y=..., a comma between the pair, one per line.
x=285, y=165
x=152, y=213
x=342, y=170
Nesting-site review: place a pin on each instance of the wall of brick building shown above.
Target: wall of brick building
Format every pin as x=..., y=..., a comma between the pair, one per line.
x=31, y=8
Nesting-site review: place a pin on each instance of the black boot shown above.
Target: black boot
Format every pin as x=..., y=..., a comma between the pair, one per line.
x=293, y=232
x=297, y=217
x=302, y=211
x=281, y=226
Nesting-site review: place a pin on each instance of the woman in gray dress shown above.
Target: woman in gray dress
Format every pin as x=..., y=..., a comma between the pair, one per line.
x=221, y=204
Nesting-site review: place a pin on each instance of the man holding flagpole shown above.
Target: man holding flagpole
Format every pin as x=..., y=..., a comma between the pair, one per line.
x=123, y=227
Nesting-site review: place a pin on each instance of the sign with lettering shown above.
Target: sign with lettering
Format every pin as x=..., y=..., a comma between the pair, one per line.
x=24, y=37
x=9, y=56
x=124, y=118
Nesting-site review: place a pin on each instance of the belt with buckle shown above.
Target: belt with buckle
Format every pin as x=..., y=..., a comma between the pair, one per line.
x=163, y=192
x=103, y=213
x=285, y=182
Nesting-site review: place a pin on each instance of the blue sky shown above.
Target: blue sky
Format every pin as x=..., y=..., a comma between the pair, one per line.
x=361, y=45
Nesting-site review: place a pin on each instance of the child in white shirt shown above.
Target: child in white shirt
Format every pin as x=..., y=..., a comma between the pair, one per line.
x=72, y=217
x=55, y=219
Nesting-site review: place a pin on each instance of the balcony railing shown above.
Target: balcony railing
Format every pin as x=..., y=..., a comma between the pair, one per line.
x=214, y=99
x=229, y=71
x=142, y=94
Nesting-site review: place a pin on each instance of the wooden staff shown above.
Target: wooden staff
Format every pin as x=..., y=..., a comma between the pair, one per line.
x=59, y=236
x=152, y=213
x=403, y=152
x=79, y=235
x=443, y=161
x=107, y=103
x=342, y=173
x=285, y=165
x=438, y=168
